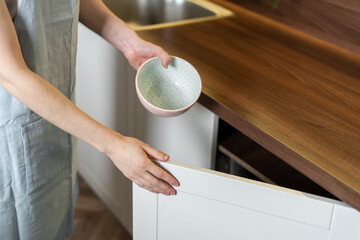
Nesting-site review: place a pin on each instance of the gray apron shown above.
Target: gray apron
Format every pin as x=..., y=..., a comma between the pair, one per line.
x=37, y=190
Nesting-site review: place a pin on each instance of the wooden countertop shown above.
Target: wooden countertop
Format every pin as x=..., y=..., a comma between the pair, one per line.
x=297, y=96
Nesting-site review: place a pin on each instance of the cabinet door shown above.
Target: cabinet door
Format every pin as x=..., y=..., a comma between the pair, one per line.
x=212, y=205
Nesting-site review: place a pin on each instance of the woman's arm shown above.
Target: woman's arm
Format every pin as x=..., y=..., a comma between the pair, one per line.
x=128, y=154
x=96, y=16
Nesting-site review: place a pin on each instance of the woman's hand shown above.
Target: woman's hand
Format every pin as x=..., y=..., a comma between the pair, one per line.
x=139, y=51
x=132, y=158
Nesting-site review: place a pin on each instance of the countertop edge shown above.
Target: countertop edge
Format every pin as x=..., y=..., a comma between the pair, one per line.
x=310, y=170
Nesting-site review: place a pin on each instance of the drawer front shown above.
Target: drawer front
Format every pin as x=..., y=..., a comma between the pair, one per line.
x=212, y=205
x=257, y=196
x=188, y=216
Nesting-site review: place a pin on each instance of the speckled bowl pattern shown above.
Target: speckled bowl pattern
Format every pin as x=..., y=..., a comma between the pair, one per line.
x=168, y=92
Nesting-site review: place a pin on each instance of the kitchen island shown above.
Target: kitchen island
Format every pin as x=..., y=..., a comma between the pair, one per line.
x=296, y=95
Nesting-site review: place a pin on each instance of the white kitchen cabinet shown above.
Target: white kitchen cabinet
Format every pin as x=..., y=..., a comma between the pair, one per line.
x=211, y=205
x=105, y=90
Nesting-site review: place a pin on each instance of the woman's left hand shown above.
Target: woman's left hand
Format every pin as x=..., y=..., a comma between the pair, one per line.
x=139, y=51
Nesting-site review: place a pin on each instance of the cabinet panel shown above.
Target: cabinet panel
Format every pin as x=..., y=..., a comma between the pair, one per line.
x=345, y=224
x=212, y=205
x=254, y=195
x=204, y=218
x=145, y=224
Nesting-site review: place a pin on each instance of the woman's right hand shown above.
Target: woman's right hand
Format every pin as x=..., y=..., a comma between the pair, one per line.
x=132, y=158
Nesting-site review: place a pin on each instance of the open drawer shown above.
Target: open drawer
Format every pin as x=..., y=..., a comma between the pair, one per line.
x=213, y=205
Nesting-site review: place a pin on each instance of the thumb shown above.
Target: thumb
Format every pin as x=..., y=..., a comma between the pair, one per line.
x=158, y=155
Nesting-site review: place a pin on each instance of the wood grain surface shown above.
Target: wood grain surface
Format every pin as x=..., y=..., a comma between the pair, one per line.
x=295, y=95
x=334, y=21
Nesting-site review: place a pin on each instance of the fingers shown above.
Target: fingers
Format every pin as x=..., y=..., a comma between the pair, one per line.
x=162, y=174
x=158, y=155
x=153, y=184
x=165, y=58
x=155, y=169
x=156, y=185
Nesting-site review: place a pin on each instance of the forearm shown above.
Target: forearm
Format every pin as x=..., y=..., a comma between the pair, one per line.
x=97, y=17
x=51, y=104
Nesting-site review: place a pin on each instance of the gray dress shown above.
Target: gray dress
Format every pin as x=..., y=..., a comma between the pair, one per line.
x=37, y=190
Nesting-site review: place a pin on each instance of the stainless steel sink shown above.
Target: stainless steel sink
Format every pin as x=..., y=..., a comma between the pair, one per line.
x=149, y=14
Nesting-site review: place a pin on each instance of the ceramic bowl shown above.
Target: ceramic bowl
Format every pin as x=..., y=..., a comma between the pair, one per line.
x=168, y=92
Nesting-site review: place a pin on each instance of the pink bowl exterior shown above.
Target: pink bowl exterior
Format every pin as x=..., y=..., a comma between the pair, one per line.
x=161, y=112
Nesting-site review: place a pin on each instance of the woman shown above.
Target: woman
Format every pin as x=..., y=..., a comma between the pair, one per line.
x=37, y=58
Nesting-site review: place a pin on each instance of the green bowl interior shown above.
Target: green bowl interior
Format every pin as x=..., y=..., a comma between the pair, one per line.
x=173, y=88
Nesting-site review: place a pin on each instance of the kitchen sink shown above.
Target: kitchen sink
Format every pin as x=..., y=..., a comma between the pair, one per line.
x=150, y=14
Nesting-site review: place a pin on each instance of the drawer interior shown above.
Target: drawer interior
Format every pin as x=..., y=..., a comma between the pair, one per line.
x=239, y=155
